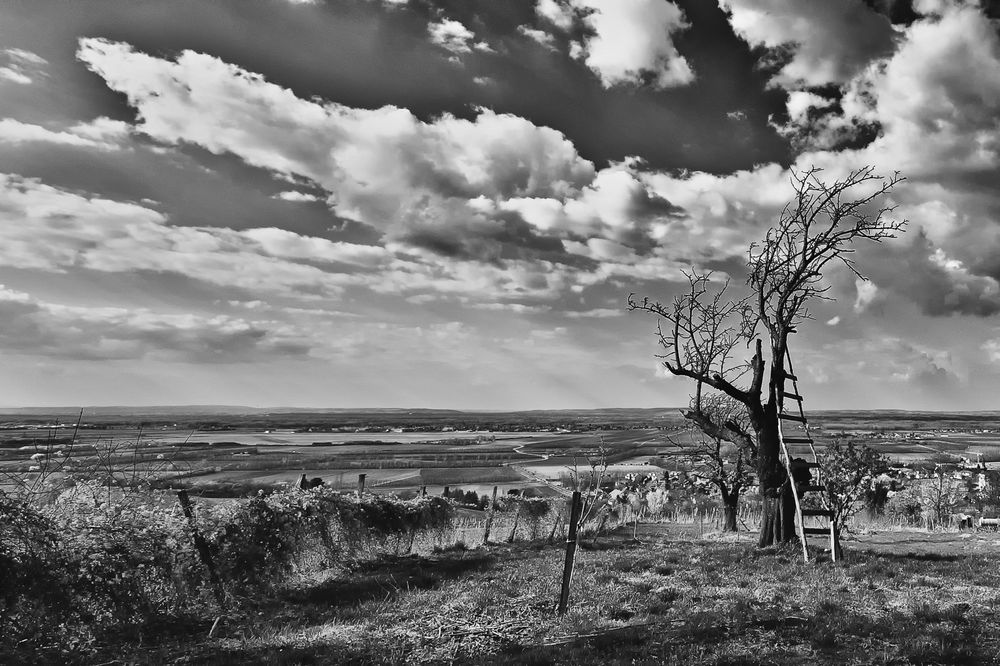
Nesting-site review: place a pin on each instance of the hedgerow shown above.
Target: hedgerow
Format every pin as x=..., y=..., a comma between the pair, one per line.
x=98, y=564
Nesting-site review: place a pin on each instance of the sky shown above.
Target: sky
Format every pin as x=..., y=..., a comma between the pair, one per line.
x=445, y=203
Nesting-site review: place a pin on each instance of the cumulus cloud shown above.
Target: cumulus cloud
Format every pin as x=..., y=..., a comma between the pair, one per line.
x=451, y=35
x=828, y=42
x=496, y=189
x=556, y=12
x=383, y=167
x=30, y=326
x=630, y=41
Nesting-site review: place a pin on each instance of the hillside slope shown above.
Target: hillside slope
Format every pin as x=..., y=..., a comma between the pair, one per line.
x=671, y=598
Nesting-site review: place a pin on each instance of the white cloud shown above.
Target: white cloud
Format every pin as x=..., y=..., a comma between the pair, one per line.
x=30, y=326
x=596, y=313
x=455, y=37
x=14, y=75
x=383, y=167
x=46, y=228
x=103, y=134
x=540, y=36
x=867, y=293
x=21, y=66
x=558, y=13
x=992, y=349
x=830, y=41
x=631, y=40
x=295, y=195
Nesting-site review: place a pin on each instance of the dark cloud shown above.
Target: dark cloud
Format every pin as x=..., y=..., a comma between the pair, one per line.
x=365, y=55
x=940, y=285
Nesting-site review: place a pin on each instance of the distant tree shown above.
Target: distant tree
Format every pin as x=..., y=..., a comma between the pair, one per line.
x=715, y=460
x=849, y=473
x=704, y=332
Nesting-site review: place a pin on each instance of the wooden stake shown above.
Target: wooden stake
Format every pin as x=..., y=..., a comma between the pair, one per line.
x=202, y=547
x=361, y=484
x=574, y=518
x=489, y=520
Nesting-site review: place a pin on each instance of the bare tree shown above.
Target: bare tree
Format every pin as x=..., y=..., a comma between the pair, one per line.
x=716, y=459
x=706, y=334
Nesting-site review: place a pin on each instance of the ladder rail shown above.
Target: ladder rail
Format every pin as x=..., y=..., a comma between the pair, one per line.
x=824, y=499
x=800, y=523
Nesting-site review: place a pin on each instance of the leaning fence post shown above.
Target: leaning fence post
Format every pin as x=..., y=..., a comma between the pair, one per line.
x=574, y=518
x=202, y=547
x=361, y=484
x=489, y=520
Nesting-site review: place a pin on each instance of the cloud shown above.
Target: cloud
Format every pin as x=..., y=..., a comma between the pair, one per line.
x=451, y=35
x=496, y=189
x=47, y=228
x=383, y=167
x=30, y=326
x=938, y=283
x=827, y=42
x=21, y=66
x=556, y=12
x=596, y=313
x=630, y=41
x=295, y=195
x=867, y=293
x=540, y=36
x=890, y=359
x=102, y=133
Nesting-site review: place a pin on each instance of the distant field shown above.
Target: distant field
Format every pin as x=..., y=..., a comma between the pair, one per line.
x=407, y=461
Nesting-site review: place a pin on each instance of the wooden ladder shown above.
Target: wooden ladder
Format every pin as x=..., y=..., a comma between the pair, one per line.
x=816, y=485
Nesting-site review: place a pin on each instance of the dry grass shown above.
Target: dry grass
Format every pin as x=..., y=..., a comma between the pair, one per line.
x=671, y=598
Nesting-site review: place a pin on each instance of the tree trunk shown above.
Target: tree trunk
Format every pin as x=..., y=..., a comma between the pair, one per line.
x=778, y=521
x=730, y=504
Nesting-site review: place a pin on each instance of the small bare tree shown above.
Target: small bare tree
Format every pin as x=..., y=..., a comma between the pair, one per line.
x=716, y=459
x=706, y=333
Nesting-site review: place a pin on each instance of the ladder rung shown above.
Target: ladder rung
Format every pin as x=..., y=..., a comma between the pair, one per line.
x=792, y=417
x=817, y=512
x=812, y=489
x=793, y=396
x=805, y=464
x=816, y=530
x=798, y=440
x=789, y=375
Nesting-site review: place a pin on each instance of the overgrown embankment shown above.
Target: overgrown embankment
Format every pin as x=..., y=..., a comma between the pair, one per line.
x=670, y=599
x=99, y=566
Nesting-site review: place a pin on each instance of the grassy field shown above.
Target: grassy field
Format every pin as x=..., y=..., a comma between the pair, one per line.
x=670, y=598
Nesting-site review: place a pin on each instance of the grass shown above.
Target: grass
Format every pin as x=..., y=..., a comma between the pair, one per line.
x=670, y=599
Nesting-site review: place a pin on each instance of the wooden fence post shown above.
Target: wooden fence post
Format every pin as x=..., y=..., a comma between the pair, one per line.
x=361, y=484
x=447, y=489
x=423, y=491
x=202, y=547
x=489, y=520
x=574, y=518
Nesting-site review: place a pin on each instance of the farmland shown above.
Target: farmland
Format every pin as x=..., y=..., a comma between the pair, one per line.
x=405, y=451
